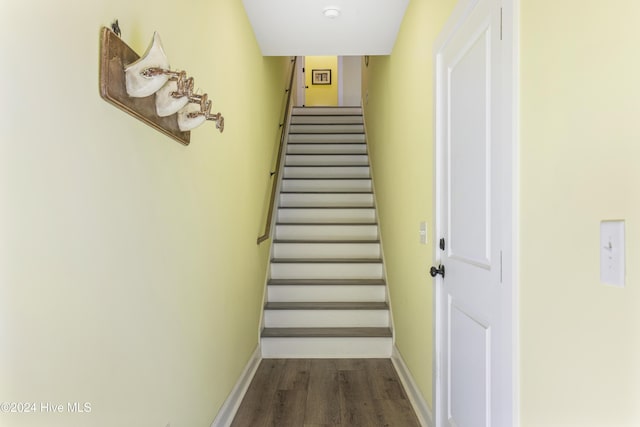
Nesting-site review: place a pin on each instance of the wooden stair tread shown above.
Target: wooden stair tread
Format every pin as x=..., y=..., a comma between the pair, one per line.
x=324, y=119
x=326, y=306
x=326, y=333
x=326, y=153
x=355, y=132
x=327, y=282
x=312, y=109
x=318, y=112
x=327, y=192
x=342, y=153
x=326, y=179
x=326, y=207
x=316, y=143
x=329, y=242
x=328, y=223
x=327, y=166
x=342, y=260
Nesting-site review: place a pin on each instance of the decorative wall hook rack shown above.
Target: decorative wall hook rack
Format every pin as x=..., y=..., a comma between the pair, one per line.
x=146, y=88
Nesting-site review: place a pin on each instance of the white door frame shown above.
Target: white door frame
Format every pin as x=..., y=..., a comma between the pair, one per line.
x=510, y=179
x=340, y=82
x=300, y=82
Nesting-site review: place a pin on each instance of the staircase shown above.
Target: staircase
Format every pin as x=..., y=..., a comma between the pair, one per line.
x=326, y=296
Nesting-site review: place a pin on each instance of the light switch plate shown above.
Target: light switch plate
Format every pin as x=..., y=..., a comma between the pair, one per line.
x=612, y=265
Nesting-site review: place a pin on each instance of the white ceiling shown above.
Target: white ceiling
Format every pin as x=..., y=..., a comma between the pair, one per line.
x=299, y=27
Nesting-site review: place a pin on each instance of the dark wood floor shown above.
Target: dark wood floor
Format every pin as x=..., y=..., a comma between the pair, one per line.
x=325, y=393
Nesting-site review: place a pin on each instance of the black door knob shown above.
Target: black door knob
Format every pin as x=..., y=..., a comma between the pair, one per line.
x=435, y=271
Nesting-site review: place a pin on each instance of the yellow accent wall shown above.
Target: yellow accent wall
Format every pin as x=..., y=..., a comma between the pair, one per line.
x=130, y=277
x=579, y=163
x=321, y=95
x=399, y=116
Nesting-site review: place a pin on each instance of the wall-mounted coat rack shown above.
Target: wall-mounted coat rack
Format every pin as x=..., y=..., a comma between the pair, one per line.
x=147, y=89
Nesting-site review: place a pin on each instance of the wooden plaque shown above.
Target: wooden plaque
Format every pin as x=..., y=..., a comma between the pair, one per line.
x=114, y=56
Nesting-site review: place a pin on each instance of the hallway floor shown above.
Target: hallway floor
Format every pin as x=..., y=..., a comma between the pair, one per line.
x=325, y=392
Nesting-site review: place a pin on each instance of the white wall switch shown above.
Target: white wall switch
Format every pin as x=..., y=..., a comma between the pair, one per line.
x=612, y=265
x=423, y=232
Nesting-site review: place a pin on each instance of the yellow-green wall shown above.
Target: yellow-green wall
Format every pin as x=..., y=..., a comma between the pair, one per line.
x=321, y=95
x=399, y=116
x=130, y=277
x=580, y=164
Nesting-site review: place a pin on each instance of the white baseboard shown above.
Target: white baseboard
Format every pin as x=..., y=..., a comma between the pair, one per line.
x=413, y=392
x=230, y=406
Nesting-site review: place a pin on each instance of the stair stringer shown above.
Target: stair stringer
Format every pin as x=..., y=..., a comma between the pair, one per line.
x=384, y=263
x=274, y=219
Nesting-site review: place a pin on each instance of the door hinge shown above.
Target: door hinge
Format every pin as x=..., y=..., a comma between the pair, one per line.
x=500, y=24
x=303, y=69
x=442, y=244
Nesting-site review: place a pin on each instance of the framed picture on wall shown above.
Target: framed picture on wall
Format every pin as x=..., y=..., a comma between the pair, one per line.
x=321, y=77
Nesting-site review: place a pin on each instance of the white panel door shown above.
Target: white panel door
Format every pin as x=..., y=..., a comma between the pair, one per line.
x=474, y=342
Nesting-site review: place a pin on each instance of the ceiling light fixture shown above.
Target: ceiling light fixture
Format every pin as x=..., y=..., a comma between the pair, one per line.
x=331, y=12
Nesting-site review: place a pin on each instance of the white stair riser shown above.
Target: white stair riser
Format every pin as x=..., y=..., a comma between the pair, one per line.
x=329, y=200
x=326, y=250
x=337, y=119
x=327, y=215
x=328, y=138
x=326, y=232
x=326, y=318
x=327, y=111
x=326, y=293
x=326, y=149
x=326, y=128
x=335, y=185
x=326, y=271
x=330, y=160
x=326, y=172
x=326, y=347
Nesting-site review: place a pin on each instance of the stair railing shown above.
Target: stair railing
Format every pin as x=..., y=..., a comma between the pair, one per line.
x=276, y=173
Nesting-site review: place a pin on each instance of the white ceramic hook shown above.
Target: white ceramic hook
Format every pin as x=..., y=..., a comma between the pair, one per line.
x=187, y=120
x=139, y=85
x=168, y=104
